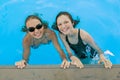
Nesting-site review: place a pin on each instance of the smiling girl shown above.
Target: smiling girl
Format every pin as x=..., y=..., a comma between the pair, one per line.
x=37, y=32
x=78, y=40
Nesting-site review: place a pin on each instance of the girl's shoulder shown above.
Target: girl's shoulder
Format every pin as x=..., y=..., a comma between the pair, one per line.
x=83, y=32
x=47, y=30
x=27, y=38
x=85, y=36
x=49, y=33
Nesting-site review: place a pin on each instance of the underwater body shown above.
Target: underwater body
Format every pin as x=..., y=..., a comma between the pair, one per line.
x=100, y=18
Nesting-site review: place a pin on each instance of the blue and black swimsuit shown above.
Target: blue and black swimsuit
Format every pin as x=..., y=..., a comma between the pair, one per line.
x=81, y=50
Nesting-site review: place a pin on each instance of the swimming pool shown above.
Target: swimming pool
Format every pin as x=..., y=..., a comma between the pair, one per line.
x=101, y=18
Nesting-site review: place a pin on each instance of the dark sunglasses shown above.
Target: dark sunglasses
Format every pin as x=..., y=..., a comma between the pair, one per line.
x=32, y=29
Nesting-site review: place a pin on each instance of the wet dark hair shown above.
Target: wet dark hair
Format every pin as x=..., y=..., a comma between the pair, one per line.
x=44, y=23
x=54, y=26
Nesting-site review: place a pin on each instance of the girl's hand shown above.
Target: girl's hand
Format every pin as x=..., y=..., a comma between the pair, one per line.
x=21, y=64
x=65, y=64
x=75, y=61
x=106, y=62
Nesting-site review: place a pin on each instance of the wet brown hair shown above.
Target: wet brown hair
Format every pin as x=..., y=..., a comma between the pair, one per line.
x=54, y=26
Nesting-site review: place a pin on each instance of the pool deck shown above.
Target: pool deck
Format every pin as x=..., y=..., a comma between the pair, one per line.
x=54, y=72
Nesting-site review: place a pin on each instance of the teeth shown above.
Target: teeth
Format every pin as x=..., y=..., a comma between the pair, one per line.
x=65, y=29
x=37, y=35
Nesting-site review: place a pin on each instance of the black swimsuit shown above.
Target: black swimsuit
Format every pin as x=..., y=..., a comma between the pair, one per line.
x=80, y=49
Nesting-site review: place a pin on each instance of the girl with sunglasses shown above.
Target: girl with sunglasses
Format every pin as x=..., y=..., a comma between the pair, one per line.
x=78, y=40
x=37, y=32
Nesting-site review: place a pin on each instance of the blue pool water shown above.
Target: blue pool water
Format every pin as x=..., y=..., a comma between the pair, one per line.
x=101, y=18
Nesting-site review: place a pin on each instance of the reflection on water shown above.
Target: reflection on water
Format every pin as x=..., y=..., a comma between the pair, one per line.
x=100, y=18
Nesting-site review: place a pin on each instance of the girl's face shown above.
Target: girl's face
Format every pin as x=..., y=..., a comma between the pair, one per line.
x=35, y=28
x=64, y=24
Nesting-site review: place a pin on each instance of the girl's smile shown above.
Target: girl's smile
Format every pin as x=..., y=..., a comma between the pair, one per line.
x=64, y=24
x=35, y=28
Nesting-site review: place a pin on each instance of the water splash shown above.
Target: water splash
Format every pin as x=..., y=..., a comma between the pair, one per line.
x=107, y=55
x=107, y=52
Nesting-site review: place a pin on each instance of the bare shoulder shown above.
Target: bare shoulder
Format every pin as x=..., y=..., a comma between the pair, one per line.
x=84, y=34
x=50, y=33
x=27, y=39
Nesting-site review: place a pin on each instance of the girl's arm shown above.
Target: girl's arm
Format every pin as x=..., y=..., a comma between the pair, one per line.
x=66, y=44
x=65, y=63
x=26, y=50
x=57, y=45
x=74, y=60
x=88, y=39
